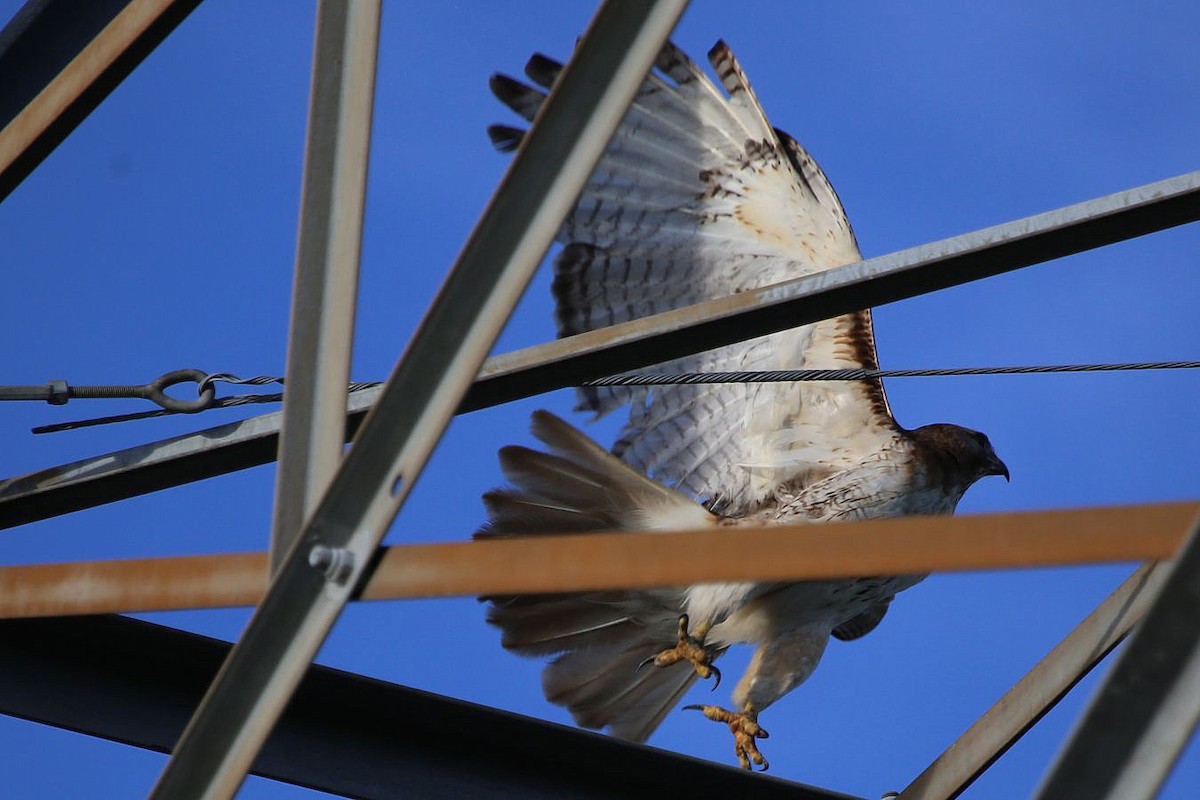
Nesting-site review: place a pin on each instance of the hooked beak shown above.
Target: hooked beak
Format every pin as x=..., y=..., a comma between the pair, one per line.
x=997, y=467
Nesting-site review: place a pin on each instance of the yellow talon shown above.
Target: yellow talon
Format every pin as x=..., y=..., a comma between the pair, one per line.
x=745, y=728
x=689, y=648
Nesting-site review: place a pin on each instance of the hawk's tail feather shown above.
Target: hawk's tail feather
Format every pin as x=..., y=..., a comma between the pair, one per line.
x=580, y=487
x=604, y=688
x=515, y=513
x=547, y=624
x=634, y=501
x=601, y=639
x=602, y=636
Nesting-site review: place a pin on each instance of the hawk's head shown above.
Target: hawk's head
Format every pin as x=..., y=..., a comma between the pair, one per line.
x=964, y=455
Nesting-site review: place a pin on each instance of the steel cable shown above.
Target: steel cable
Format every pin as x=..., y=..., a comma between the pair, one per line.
x=654, y=379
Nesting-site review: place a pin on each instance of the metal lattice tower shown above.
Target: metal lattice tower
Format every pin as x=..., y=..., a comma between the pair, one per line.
x=331, y=516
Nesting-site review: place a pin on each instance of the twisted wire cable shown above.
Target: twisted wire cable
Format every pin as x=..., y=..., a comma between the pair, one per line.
x=664, y=379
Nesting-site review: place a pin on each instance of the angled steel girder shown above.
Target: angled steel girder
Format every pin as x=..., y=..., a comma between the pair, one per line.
x=1143, y=715
x=328, y=248
x=6, y=188
x=1040, y=690
x=60, y=59
x=620, y=348
x=332, y=553
x=342, y=733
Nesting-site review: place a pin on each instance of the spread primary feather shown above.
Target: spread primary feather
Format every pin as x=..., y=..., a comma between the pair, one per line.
x=699, y=197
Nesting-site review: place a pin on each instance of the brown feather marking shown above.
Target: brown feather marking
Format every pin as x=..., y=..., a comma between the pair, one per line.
x=862, y=340
x=568, y=285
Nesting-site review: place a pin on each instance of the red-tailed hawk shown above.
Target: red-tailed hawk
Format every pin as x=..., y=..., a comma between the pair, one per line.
x=698, y=197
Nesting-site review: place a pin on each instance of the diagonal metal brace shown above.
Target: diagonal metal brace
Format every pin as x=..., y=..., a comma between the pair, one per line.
x=1141, y=718
x=416, y=404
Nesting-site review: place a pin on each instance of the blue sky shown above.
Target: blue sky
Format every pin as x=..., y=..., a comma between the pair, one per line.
x=161, y=235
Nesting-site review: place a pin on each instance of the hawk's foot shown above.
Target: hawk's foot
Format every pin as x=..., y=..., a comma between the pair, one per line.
x=688, y=648
x=745, y=728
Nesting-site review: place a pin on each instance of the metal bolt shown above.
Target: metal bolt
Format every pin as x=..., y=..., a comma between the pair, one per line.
x=58, y=393
x=336, y=562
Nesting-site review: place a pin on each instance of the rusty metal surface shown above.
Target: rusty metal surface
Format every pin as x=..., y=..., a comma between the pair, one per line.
x=60, y=59
x=610, y=561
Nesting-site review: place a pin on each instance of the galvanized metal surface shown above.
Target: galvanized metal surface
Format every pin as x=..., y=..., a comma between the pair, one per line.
x=1040, y=690
x=1143, y=715
x=874, y=282
x=1182, y=695
x=566, y=362
x=415, y=405
x=333, y=196
x=342, y=733
x=614, y=561
x=153, y=466
x=60, y=59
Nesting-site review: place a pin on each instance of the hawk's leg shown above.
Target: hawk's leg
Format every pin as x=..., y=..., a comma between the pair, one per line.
x=745, y=728
x=781, y=663
x=691, y=648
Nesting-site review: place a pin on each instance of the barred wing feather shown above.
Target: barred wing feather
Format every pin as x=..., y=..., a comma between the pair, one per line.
x=698, y=197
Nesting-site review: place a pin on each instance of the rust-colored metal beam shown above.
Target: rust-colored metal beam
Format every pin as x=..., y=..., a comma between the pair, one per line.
x=611, y=561
x=1040, y=690
x=60, y=60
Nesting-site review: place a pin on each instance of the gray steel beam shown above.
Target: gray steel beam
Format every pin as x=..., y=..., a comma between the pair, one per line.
x=329, y=241
x=1040, y=690
x=46, y=93
x=341, y=733
x=322, y=570
x=153, y=466
x=873, y=282
x=1001, y=248
x=1141, y=718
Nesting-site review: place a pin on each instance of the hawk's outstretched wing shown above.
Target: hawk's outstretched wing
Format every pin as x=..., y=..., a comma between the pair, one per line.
x=698, y=197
